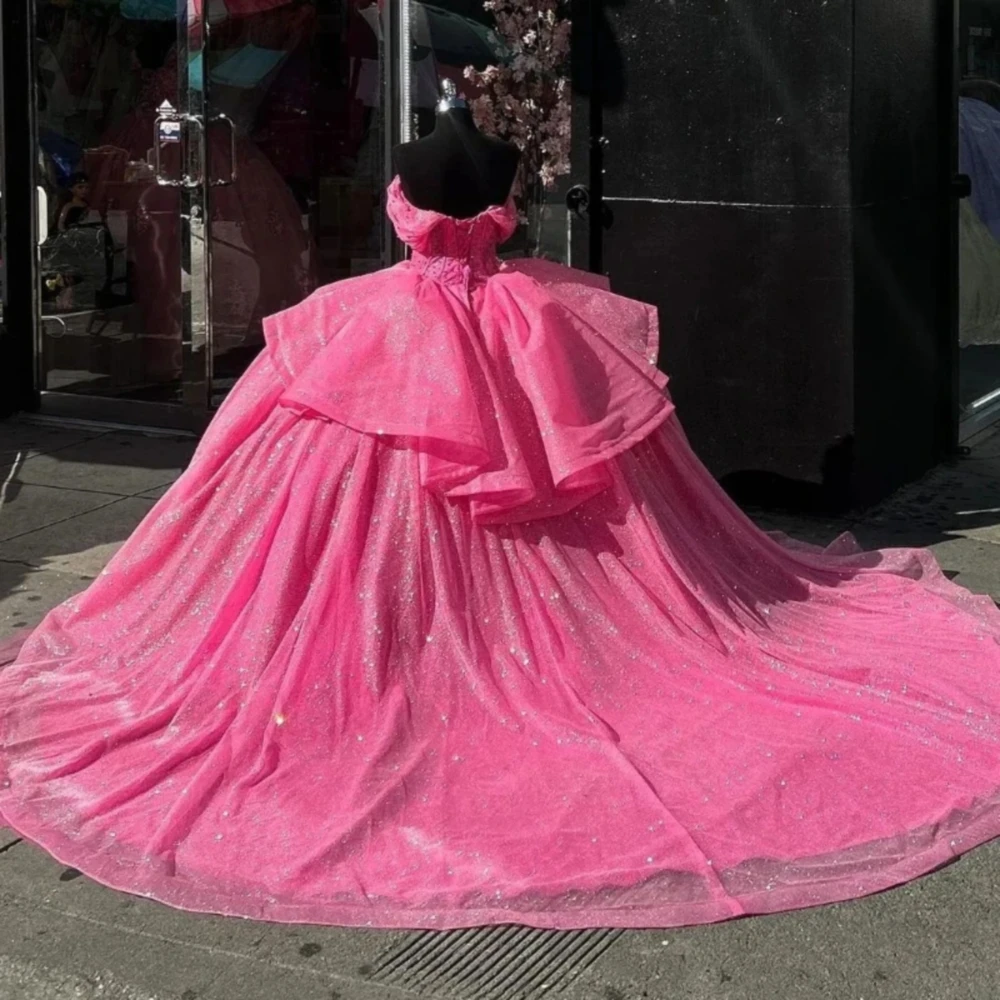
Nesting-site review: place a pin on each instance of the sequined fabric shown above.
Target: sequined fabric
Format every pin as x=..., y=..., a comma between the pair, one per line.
x=317, y=685
x=514, y=389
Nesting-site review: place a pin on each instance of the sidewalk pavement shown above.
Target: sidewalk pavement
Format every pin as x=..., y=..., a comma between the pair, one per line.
x=71, y=495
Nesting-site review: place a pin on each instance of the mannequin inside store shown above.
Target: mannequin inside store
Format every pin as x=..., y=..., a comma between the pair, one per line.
x=456, y=170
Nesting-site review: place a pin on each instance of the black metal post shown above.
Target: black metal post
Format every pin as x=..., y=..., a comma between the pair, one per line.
x=20, y=286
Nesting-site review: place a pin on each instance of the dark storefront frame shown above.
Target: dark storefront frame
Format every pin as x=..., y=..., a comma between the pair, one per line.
x=17, y=363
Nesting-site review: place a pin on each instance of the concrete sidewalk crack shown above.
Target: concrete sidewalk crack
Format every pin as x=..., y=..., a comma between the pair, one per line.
x=71, y=489
x=63, y=520
x=63, y=447
x=143, y=494
x=19, y=562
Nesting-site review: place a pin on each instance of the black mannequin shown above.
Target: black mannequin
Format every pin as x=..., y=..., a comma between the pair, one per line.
x=456, y=170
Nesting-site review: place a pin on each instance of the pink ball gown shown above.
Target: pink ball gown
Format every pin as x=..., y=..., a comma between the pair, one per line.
x=446, y=625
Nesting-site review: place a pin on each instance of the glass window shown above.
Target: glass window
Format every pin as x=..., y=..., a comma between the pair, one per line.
x=979, y=215
x=196, y=178
x=511, y=63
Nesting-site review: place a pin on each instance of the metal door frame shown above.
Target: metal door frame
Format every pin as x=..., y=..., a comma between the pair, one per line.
x=585, y=219
x=20, y=282
x=195, y=261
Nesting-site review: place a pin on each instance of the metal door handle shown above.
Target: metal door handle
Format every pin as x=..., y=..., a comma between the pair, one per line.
x=232, y=151
x=199, y=177
x=168, y=116
x=42, y=202
x=578, y=200
x=165, y=115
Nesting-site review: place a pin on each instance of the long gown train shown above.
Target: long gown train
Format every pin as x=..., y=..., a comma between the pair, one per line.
x=445, y=624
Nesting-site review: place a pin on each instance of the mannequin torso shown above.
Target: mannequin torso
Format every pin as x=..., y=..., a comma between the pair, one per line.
x=456, y=170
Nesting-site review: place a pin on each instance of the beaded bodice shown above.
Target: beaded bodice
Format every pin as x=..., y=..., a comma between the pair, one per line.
x=453, y=251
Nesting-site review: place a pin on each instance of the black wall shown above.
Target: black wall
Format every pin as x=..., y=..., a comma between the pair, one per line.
x=777, y=177
x=905, y=244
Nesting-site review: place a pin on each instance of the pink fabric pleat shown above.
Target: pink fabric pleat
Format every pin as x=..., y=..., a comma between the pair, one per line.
x=514, y=383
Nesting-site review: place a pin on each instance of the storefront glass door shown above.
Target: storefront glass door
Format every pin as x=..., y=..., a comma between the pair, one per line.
x=199, y=167
x=297, y=162
x=979, y=218
x=116, y=202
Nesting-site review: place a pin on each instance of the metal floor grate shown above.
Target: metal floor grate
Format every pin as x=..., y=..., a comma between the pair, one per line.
x=506, y=962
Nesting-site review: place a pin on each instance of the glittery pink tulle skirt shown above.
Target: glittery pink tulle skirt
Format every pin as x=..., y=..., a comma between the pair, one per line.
x=323, y=683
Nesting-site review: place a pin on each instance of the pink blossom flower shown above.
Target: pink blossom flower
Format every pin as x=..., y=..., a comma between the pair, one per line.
x=526, y=99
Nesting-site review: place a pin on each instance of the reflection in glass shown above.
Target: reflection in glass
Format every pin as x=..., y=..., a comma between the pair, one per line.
x=290, y=148
x=109, y=233
x=447, y=38
x=979, y=215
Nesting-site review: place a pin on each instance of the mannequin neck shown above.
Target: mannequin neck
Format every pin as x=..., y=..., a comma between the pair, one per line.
x=458, y=119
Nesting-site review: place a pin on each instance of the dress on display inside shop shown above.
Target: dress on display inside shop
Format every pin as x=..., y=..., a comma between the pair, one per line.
x=446, y=625
x=979, y=223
